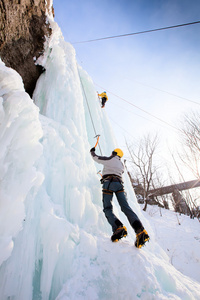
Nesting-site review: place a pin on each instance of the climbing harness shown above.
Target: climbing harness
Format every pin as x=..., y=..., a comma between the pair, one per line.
x=111, y=178
x=89, y=110
x=107, y=192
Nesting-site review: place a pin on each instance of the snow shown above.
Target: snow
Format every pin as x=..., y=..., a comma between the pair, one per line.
x=182, y=242
x=55, y=239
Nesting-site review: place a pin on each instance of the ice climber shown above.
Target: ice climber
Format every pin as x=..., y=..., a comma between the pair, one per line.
x=113, y=169
x=104, y=98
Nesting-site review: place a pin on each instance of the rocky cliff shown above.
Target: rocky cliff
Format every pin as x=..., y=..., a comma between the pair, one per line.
x=23, y=30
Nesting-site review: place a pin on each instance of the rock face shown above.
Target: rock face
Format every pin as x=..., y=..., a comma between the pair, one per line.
x=23, y=27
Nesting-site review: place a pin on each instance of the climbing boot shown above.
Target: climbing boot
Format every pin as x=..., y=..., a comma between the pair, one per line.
x=119, y=233
x=141, y=238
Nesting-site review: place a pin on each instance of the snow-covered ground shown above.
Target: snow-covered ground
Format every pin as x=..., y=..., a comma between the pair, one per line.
x=55, y=241
x=179, y=236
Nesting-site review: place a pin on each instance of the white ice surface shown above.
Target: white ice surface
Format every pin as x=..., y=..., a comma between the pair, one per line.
x=55, y=241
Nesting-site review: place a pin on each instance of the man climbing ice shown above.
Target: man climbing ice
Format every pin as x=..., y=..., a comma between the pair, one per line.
x=113, y=169
x=104, y=98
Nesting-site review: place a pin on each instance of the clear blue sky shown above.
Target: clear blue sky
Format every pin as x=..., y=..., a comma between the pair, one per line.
x=140, y=68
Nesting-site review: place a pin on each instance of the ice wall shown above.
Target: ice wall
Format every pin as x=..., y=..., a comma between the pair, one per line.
x=20, y=131
x=55, y=239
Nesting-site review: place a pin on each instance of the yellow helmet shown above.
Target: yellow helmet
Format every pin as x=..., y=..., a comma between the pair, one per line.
x=119, y=152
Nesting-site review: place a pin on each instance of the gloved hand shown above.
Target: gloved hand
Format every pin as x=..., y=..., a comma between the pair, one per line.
x=92, y=149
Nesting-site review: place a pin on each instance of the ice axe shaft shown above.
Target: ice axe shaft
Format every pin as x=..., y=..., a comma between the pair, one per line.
x=97, y=136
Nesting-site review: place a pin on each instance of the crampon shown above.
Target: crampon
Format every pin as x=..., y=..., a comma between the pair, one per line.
x=119, y=233
x=141, y=238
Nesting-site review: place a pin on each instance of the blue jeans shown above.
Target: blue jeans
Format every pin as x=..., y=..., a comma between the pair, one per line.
x=110, y=187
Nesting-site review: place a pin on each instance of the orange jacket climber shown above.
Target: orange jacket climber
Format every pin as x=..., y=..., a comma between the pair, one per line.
x=104, y=98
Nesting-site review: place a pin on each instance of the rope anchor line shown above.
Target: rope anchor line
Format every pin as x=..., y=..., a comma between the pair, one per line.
x=136, y=33
x=96, y=135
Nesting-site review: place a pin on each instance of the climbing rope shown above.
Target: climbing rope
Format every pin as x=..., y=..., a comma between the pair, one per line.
x=136, y=33
x=130, y=103
x=96, y=135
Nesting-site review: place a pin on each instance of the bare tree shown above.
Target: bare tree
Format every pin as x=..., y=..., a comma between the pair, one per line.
x=142, y=157
x=161, y=200
x=191, y=143
x=190, y=155
x=188, y=197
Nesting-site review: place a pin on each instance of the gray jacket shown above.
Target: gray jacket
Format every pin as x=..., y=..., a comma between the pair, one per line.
x=111, y=165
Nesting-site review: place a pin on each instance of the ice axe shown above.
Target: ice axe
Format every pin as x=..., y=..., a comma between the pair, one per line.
x=99, y=97
x=100, y=173
x=97, y=136
x=101, y=180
